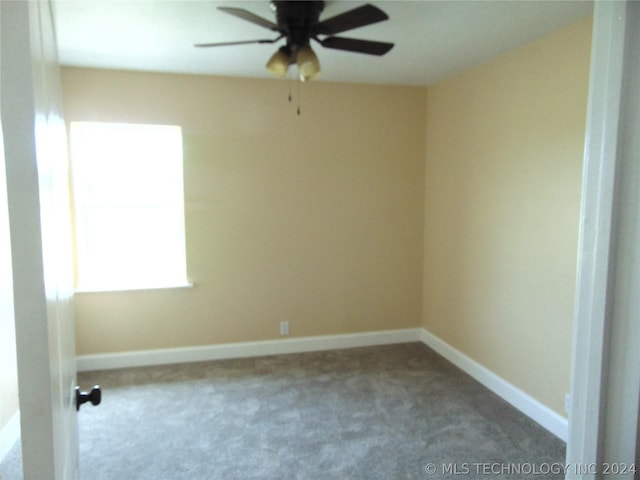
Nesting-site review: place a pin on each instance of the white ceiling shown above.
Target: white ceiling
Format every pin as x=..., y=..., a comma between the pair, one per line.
x=433, y=39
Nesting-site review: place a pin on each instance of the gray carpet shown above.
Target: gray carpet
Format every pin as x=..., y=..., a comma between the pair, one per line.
x=389, y=412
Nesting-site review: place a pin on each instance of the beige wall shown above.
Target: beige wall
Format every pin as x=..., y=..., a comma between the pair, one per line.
x=315, y=219
x=503, y=175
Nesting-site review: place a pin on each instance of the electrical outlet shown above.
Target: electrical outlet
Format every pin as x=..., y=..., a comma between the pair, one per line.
x=284, y=328
x=567, y=402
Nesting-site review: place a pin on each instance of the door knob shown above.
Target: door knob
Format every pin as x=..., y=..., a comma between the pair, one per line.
x=94, y=396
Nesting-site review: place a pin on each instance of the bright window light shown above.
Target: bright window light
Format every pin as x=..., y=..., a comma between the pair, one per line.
x=129, y=205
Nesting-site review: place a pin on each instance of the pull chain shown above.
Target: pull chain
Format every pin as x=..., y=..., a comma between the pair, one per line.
x=290, y=96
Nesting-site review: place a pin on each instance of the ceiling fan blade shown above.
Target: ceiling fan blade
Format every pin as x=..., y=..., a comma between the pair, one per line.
x=357, y=45
x=250, y=17
x=241, y=42
x=358, y=17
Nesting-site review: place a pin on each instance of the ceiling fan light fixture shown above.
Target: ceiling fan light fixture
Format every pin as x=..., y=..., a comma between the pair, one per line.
x=279, y=62
x=308, y=64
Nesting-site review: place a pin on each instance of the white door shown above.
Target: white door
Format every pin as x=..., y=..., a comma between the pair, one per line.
x=36, y=170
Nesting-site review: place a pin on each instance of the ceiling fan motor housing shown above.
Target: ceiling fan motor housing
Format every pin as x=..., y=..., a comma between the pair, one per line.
x=296, y=19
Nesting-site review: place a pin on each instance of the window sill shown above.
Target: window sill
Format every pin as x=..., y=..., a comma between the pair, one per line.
x=179, y=285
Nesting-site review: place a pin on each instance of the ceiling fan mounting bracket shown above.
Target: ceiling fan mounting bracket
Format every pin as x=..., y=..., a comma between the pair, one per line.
x=296, y=20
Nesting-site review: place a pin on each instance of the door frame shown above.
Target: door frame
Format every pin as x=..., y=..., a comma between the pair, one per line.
x=605, y=389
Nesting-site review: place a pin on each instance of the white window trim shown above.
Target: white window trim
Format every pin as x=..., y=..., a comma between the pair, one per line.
x=176, y=286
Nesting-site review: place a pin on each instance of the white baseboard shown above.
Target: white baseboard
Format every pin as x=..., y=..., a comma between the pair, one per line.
x=538, y=412
x=245, y=349
x=9, y=435
x=531, y=407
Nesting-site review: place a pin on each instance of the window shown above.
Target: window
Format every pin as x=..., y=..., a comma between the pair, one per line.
x=129, y=206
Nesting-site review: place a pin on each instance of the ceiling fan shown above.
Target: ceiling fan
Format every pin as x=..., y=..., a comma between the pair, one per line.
x=299, y=23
